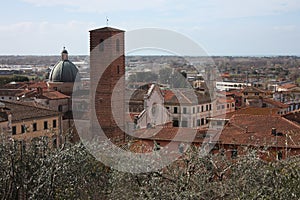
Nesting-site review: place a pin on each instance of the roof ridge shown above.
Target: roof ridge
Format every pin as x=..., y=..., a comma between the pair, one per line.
x=21, y=104
x=259, y=115
x=290, y=122
x=107, y=28
x=185, y=97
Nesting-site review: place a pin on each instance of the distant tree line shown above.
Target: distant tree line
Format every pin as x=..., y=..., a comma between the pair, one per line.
x=16, y=78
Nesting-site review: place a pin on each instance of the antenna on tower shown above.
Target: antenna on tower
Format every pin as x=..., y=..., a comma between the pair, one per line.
x=107, y=21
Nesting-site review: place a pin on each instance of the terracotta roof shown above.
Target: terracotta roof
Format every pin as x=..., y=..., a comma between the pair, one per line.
x=15, y=85
x=21, y=112
x=172, y=97
x=250, y=111
x=226, y=100
x=53, y=95
x=255, y=130
x=232, y=92
x=225, y=75
x=288, y=86
x=35, y=85
x=247, y=130
x=275, y=103
x=174, y=134
x=252, y=89
x=293, y=116
x=168, y=95
x=18, y=93
x=24, y=85
x=236, y=93
x=32, y=104
x=295, y=90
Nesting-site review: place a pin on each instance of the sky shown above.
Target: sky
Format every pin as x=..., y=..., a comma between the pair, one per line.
x=221, y=27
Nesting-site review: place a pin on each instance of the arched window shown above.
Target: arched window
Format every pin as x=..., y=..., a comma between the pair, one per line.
x=101, y=45
x=118, y=45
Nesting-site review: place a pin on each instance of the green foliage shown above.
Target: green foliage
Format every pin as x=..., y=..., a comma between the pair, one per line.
x=70, y=172
x=16, y=78
x=298, y=81
x=40, y=172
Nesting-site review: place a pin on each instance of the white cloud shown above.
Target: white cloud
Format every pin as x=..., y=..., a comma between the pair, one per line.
x=13, y=28
x=237, y=8
x=202, y=9
x=101, y=6
x=44, y=37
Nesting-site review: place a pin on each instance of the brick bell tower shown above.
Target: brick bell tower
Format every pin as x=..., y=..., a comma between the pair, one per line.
x=107, y=75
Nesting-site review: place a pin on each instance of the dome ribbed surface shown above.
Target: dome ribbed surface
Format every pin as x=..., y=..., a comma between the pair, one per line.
x=63, y=71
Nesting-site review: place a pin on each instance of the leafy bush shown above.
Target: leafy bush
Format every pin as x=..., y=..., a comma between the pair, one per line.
x=40, y=172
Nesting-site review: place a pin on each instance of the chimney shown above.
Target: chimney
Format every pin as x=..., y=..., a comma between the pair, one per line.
x=40, y=91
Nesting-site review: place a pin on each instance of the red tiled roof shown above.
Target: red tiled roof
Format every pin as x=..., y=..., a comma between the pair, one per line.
x=12, y=92
x=242, y=129
x=251, y=111
x=227, y=100
x=168, y=95
x=15, y=85
x=236, y=93
x=225, y=75
x=293, y=116
x=53, y=95
x=255, y=130
x=288, y=86
x=251, y=89
x=173, y=134
x=35, y=85
x=275, y=103
x=21, y=112
x=226, y=93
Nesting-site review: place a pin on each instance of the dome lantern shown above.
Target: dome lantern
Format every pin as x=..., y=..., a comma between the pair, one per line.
x=64, y=54
x=64, y=70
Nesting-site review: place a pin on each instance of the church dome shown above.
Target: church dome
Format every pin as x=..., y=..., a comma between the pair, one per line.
x=64, y=70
